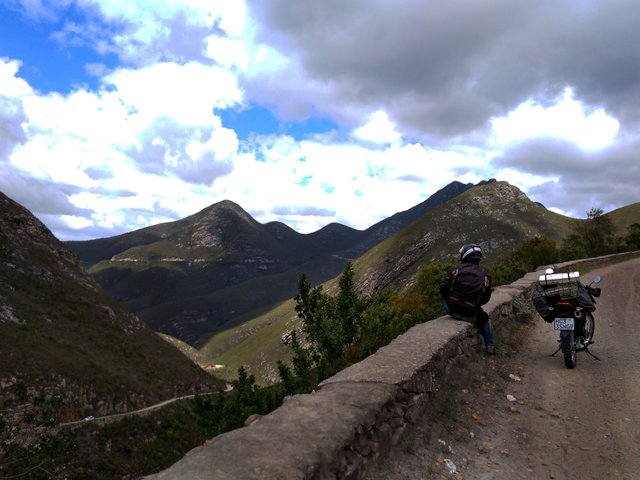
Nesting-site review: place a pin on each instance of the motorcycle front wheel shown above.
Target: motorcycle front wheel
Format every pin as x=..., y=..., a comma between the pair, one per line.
x=589, y=328
x=568, y=346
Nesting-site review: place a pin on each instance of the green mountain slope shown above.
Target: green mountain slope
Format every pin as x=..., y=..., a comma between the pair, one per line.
x=67, y=348
x=497, y=216
x=623, y=217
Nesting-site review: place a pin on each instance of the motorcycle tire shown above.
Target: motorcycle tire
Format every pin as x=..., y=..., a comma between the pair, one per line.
x=586, y=333
x=589, y=328
x=568, y=346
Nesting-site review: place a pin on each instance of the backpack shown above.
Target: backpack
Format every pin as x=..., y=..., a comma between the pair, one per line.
x=469, y=283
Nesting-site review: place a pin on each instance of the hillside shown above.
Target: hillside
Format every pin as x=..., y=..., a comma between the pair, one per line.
x=219, y=267
x=67, y=348
x=199, y=275
x=496, y=215
x=623, y=217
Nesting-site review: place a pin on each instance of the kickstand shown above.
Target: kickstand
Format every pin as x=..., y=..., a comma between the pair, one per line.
x=587, y=350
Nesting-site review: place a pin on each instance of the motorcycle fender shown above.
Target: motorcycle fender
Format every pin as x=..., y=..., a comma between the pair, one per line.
x=565, y=333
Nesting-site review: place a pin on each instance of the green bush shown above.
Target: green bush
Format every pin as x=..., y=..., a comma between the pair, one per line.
x=529, y=256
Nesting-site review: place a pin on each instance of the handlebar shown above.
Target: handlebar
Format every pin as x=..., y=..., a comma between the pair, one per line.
x=594, y=291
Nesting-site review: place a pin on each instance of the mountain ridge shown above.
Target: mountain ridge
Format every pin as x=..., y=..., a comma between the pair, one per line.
x=211, y=270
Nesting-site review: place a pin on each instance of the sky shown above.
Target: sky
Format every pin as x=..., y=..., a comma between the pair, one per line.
x=120, y=114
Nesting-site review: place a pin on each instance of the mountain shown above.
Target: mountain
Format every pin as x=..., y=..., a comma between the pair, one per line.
x=68, y=349
x=220, y=267
x=496, y=215
x=387, y=227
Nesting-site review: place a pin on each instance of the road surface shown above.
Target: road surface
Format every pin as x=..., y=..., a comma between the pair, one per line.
x=120, y=416
x=526, y=416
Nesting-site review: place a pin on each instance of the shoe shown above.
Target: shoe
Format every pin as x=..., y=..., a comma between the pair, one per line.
x=490, y=350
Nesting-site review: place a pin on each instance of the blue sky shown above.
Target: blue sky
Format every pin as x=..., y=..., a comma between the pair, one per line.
x=119, y=115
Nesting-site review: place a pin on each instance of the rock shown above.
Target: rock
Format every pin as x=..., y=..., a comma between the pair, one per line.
x=484, y=448
x=450, y=466
x=252, y=419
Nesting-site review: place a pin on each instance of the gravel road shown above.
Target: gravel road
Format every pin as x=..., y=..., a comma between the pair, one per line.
x=523, y=415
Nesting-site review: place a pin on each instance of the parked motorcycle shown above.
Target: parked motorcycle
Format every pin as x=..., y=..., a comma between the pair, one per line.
x=561, y=299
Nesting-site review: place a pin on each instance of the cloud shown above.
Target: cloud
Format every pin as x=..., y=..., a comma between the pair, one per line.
x=577, y=179
x=144, y=32
x=40, y=9
x=414, y=94
x=566, y=119
x=152, y=131
x=193, y=154
x=11, y=108
x=187, y=92
x=303, y=210
x=378, y=130
x=444, y=69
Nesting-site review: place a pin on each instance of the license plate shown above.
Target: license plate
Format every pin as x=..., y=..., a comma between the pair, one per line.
x=564, y=324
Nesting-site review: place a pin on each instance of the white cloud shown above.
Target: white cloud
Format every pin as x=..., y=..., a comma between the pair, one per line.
x=227, y=52
x=10, y=84
x=187, y=93
x=350, y=183
x=84, y=140
x=566, y=119
x=379, y=129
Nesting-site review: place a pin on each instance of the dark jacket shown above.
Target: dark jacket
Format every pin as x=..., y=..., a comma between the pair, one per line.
x=466, y=287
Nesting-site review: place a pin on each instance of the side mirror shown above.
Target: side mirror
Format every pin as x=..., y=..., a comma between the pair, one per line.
x=596, y=279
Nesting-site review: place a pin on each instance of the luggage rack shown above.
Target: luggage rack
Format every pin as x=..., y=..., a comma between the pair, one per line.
x=563, y=285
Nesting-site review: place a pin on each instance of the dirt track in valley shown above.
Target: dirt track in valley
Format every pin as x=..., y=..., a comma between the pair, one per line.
x=524, y=415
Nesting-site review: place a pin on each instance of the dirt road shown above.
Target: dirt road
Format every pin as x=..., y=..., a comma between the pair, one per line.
x=524, y=415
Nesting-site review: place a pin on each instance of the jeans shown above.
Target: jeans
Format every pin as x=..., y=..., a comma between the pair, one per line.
x=482, y=322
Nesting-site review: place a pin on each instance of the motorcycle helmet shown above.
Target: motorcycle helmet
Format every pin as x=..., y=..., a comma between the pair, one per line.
x=470, y=253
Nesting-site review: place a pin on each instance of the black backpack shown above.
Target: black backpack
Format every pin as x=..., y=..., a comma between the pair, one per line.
x=469, y=283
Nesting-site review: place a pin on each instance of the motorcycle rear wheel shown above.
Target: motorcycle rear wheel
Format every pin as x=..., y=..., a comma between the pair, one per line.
x=568, y=345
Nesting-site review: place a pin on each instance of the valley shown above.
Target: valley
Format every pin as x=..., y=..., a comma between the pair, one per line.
x=115, y=327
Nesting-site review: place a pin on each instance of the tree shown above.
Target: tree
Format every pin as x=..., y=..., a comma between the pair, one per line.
x=429, y=278
x=597, y=232
x=349, y=307
x=526, y=258
x=331, y=324
x=591, y=237
x=539, y=251
x=573, y=248
x=632, y=240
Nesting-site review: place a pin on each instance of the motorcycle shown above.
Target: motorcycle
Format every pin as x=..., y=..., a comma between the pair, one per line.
x=561, y=299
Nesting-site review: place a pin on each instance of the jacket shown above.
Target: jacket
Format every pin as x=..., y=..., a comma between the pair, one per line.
x=466, y=287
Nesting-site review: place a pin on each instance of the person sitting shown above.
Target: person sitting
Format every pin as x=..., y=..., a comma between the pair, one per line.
x=465, y=288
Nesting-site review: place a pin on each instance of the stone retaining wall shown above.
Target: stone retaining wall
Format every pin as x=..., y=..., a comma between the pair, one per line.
x=356, y=416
